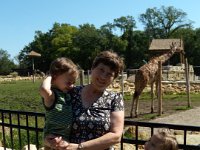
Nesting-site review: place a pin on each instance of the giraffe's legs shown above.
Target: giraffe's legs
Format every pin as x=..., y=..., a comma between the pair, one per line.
x=132, y=105
x=135, y=101
x=157, y=86
x=136, y=106
x=152, y=98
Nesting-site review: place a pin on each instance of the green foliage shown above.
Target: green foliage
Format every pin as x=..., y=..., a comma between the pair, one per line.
x=83, y=43
x=14, y=74
x=161, y=23
x=6, y=65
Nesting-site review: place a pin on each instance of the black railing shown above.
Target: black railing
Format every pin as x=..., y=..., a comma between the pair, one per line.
x=18, y=129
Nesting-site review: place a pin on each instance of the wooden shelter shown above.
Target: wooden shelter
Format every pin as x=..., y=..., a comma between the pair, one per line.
x=160, y=46
x=33, y=54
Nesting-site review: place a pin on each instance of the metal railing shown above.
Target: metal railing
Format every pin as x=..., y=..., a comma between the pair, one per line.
x=18, y=128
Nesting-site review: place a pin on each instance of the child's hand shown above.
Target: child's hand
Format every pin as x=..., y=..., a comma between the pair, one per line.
x=62, y=145
x=52, y=141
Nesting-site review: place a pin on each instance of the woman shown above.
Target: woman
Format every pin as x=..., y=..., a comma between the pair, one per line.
x=98, y=113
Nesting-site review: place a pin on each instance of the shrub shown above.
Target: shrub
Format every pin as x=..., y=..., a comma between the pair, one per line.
x=13, y=74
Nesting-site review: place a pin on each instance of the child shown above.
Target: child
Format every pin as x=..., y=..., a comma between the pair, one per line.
x=57, y=100
x=163, y=140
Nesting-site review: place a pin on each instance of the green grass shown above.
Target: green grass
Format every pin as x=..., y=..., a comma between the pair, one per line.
x=150, y=116
x=182, y=108
x=166, y=96
x=24, y=96
x=24, y=139
x=21, y=95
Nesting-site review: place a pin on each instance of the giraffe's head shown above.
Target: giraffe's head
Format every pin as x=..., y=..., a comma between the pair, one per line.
x=175, y=48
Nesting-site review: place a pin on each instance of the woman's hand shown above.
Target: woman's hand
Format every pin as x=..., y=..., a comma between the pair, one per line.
x=69, y=146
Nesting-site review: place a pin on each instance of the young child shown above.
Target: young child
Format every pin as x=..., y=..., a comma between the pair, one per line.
x=163, y=140
x=57, y=101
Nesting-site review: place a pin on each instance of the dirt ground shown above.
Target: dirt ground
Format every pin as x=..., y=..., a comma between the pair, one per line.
x=169, y=107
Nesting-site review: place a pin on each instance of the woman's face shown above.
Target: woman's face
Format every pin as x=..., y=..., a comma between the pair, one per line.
x=102, y=76
x=155, y=143
x=65, y=81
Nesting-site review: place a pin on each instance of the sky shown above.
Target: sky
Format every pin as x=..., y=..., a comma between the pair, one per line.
x=19, y=19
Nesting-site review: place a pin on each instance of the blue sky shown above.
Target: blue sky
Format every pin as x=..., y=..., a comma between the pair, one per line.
x=19, y=19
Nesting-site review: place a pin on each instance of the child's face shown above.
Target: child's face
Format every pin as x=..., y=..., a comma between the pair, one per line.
x=65, y=81
x=155, y=143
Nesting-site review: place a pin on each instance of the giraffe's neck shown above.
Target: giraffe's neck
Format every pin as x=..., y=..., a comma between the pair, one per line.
x=166, y=56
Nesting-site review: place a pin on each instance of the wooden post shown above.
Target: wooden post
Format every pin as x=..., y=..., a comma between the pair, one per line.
x=187, y=82
x=181, y=58
x=81, y=77
x=88, y=74
x=159, y=88
x=33, y=54
x=33, y=70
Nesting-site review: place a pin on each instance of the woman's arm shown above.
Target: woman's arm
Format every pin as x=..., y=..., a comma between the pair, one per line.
x=46, y=92
x=107, y=140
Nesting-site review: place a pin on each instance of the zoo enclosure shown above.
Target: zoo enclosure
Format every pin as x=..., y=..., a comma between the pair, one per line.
x=170, y=73
x=18, y=129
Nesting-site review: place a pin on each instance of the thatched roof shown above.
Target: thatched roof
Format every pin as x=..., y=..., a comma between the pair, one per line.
x=34, y=54
x=164, y=44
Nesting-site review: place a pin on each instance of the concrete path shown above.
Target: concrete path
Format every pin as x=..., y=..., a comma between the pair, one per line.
x=188, y=117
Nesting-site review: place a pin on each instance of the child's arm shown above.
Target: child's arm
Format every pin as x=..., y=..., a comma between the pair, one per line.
x=46, y=92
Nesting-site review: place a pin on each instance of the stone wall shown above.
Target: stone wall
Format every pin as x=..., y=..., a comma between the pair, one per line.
x=177, y=73
x=174, y=87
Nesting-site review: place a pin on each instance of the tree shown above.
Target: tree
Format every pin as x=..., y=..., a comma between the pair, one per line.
x=161, y=23
x=6, y=65
x=111, y=40
x=125, y=24
x=191, y=40
x=57, y=42
x=132, y=52
x=87, y=44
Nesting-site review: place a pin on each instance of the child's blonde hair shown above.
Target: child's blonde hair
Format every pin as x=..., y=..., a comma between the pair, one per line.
x=62, y=65
x=168, y=139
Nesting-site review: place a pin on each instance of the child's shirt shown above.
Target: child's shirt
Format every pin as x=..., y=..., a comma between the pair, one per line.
x=58, y=117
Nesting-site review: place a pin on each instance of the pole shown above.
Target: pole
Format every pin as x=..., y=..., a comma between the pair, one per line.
x=81, y=77
x=33, y=70
x=187, y=82
x=159, y=92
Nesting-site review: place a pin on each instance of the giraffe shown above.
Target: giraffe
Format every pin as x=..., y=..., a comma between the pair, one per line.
x=148, y=74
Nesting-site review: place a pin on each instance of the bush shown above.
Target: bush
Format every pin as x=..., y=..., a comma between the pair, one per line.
x=13, y=74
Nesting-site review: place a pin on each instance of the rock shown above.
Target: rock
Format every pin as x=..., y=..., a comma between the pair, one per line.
x=32, y=147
